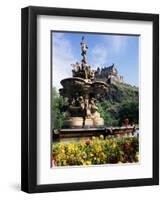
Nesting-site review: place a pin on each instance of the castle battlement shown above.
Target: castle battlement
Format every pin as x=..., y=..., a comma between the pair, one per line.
x=108, y=74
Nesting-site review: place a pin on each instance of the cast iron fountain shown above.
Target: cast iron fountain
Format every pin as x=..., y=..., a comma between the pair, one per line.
x=82, y=92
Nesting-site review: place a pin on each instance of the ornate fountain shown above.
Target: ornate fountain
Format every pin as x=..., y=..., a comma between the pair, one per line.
x=82, y=119
x=82, y=92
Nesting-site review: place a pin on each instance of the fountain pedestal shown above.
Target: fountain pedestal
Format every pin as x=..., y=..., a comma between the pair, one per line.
x=77, y=122
x=76, y=134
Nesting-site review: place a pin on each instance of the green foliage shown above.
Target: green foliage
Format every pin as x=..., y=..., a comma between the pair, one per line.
x=58, y=104
x=129, y=110
x=120, y=102
x=107, y=112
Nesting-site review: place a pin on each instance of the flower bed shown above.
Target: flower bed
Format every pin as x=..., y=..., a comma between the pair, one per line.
x=96, y=151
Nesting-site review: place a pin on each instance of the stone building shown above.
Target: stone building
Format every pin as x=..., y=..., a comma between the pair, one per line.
x=109, y=75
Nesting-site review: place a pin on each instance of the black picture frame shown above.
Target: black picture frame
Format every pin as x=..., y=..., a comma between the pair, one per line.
x=29, y=99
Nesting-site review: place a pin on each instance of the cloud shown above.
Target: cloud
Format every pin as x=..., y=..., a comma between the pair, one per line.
x=62, y=59
x=108, y=46
x=99, y=55
x=117, y=43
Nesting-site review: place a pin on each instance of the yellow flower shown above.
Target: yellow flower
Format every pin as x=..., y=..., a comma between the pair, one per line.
x=91, y=154
x=93, y=138
x=62, y=151
x=64, y=162
x=114, y=145
x=82, y=161
x=87, y=162
x=121, y=152
x=101, y=137
x=98, y=148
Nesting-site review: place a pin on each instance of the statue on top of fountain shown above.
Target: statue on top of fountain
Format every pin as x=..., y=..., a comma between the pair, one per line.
x=83, y=70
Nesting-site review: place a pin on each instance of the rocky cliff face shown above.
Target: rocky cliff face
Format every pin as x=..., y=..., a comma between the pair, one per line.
x=121, y=92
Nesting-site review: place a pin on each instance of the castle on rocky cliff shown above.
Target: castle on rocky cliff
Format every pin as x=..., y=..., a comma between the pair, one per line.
x=108, y=74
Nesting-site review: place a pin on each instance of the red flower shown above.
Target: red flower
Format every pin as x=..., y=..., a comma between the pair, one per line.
x=53, y=157
x=54, y=160
x=87, y=142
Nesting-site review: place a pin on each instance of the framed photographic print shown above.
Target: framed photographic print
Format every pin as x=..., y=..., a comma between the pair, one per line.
x=90, y=99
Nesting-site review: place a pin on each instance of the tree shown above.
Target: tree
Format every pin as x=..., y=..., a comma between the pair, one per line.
x=129, y=110
x=115, y=113
x=58, y=107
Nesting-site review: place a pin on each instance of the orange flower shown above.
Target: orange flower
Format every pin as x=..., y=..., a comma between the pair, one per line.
x=87, y=142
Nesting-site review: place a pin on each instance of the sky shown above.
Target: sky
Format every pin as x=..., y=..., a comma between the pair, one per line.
x=103, y=51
